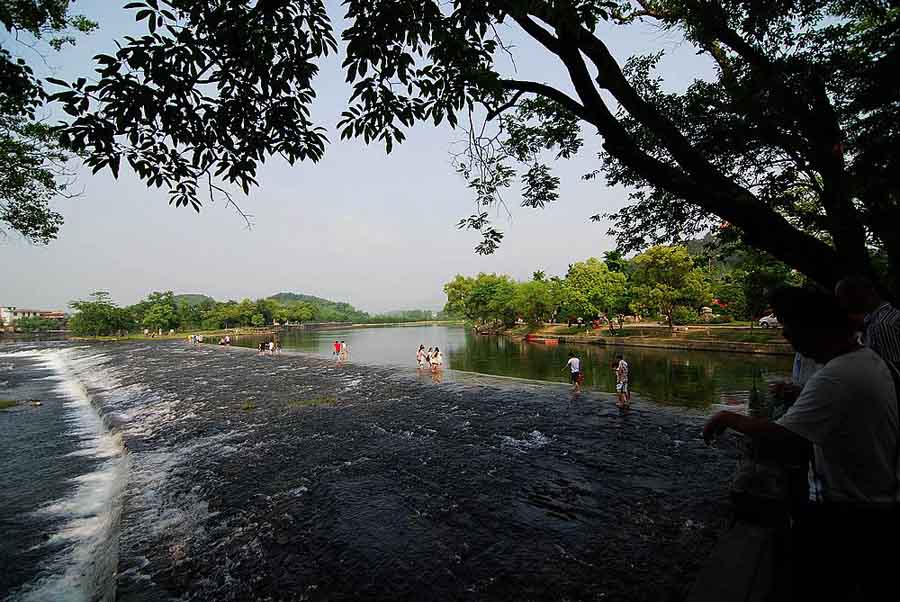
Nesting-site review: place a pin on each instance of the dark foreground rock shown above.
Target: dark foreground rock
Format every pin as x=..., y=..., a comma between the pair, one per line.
x=289, y=478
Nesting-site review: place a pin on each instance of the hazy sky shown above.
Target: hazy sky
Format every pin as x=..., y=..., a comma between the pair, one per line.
x=360, y=226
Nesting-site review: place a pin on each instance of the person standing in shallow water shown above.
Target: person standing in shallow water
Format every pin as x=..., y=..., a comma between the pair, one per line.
x=574, y=366
x=437, y=360
x=420, y=356
x=623, y=395
x=337, y=348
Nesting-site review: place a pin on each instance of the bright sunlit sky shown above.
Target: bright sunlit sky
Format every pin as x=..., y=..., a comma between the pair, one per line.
x=376, y=230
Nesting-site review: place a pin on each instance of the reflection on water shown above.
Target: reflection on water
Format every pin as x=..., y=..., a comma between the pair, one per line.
x=686, y=378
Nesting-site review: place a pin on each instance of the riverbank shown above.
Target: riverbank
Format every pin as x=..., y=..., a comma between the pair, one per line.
x=251, y=331
x=286, y=476
x=178, y=336
x=697, y=338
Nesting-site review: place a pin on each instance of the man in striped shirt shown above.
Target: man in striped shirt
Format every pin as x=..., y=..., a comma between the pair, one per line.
x=878, y=320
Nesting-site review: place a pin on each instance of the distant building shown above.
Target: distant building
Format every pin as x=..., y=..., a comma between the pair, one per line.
x=9, y=315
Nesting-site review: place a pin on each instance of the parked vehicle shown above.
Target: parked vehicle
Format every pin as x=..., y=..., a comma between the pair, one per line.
x=769, y=321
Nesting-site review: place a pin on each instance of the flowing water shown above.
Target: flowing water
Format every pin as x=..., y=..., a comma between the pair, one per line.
x=163, y=471
x=695, y=379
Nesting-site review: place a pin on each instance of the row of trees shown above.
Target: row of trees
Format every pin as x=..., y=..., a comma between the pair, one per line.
x=666, y=281
x=99, y=316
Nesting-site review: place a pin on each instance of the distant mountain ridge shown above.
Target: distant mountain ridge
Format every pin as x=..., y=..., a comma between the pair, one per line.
x=328, y=309
x=193, y=299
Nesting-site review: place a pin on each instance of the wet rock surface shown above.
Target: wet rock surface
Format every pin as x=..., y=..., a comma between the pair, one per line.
x=287, y=477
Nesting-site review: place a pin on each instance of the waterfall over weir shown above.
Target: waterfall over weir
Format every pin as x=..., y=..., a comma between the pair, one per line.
x=161, y=471
x=79, y=552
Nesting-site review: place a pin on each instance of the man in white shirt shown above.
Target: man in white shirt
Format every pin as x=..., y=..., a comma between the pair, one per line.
x=574, y=365
x=848, y=411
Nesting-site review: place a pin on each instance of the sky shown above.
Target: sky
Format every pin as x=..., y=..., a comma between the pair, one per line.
x=376, y=230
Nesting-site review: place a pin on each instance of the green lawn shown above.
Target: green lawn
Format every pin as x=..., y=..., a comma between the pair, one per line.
x=757, y=335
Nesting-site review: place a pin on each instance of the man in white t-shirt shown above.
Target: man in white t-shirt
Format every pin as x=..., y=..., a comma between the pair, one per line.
x=574, y=365
x=848, y=411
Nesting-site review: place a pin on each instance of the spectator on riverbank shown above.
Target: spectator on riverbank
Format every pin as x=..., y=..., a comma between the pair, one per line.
x=848, y=412
x=878, y=320
x=574, y=366
x=623, y=395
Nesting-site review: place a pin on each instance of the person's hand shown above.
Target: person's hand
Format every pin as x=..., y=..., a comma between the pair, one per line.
x=715, y=426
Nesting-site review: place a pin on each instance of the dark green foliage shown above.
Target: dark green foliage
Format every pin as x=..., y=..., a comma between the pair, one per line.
x=192, y=300
x=790, y=145
x=165, y=310
x=100, y=317
x=211, y=91
x=37, y=324
x=32, y=161
x=324, y=310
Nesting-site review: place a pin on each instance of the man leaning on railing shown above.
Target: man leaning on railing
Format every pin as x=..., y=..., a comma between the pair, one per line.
x=848, y=412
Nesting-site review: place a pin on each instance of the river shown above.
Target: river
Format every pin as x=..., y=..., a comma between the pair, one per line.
x=160, y=471
x=694, y=379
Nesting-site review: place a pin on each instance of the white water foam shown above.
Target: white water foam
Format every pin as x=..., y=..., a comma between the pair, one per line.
x=533, y=440
x=85, y=568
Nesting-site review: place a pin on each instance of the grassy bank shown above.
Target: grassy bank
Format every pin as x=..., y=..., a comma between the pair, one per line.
x=741, y=339
x=137, y=336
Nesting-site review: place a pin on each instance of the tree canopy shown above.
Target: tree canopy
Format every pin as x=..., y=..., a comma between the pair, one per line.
x=163, y=310
x=32, y=161
x=669, y=282
x=790, y=145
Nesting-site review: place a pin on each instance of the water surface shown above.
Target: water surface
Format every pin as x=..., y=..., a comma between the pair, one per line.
x=696, y=379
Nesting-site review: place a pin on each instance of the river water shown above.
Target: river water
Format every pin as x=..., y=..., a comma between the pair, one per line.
x=695, y=379
x=163, y=471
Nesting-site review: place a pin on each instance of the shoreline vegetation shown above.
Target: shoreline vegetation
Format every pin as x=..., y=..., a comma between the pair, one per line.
x=739, y=339
x=260, y=331
x=734, y=339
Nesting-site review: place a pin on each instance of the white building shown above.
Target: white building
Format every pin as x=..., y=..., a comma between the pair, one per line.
x=9, y=315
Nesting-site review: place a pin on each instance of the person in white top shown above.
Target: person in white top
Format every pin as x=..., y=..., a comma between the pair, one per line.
x=623, y=394
x=420, y=356
x=848, y=412
x=437, y=360
x=574, y=366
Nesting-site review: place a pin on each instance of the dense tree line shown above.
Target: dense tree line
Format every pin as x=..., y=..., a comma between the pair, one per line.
x=99, y=316
x=666, y=282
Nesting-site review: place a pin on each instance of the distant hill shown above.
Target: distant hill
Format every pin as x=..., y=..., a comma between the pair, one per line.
x=326, y=309
x=193, y=299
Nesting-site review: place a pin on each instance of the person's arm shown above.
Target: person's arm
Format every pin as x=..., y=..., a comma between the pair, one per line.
x=761, y=429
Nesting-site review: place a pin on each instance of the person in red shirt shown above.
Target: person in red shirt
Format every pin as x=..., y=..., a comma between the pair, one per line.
x=337, y=348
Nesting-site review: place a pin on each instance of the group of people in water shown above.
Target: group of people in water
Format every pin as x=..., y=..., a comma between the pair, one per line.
x=270, y=347
x=432, y=359
x=341, y=351
x=619, y=366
